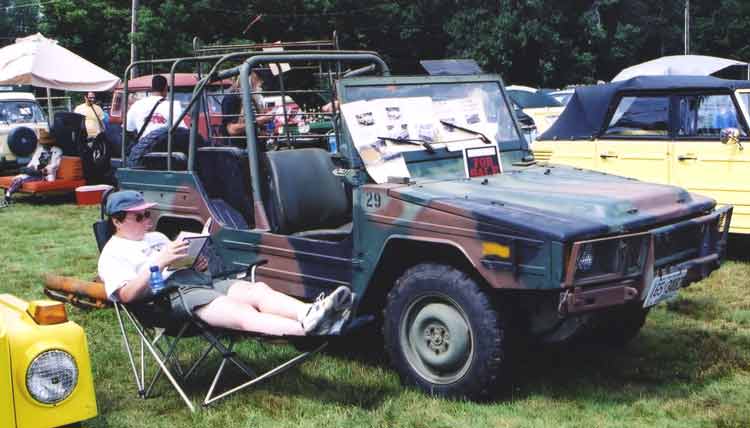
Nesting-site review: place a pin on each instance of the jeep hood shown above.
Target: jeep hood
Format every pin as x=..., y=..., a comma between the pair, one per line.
x=559, y=203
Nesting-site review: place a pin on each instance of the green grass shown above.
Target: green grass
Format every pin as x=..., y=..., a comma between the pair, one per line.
x=689, y=367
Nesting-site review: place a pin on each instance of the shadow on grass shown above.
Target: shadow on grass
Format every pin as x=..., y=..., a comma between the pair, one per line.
x=287, y=386
x=42, y=199
x=665, y=362
x=737, y=247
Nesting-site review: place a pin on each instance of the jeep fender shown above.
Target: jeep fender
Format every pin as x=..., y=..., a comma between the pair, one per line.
x=400, y=252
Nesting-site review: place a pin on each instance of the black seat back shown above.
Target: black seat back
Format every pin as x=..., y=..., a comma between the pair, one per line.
x=225, y=174
x=303, y=193
x=69, y=130
x=102, y=229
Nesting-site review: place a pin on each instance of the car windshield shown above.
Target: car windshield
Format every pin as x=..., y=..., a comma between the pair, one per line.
x=424, y=127
x=20, y=112
x=526, y=99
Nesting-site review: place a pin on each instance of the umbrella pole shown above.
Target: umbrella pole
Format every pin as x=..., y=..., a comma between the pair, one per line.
x=49, y=107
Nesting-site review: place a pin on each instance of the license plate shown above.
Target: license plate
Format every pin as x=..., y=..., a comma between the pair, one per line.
x=664, y=287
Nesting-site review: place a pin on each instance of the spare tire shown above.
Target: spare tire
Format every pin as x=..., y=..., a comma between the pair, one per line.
x=22, y=141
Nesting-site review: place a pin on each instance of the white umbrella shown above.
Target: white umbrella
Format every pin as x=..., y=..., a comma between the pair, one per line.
x=39, y=61
x=692, y=65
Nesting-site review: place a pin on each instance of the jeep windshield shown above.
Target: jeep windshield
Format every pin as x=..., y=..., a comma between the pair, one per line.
x=20, y=112
x=418, y=127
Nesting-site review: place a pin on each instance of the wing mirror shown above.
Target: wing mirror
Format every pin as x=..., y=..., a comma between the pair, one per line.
x=731, y=136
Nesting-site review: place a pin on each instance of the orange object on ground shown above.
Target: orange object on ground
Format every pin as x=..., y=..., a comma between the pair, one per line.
x=69, y=177
x=91, y=195
x=75, y=291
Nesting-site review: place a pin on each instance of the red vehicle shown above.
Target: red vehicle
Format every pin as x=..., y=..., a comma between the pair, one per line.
x=183, y=88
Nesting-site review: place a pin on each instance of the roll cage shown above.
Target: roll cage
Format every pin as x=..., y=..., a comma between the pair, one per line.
x=331, y=64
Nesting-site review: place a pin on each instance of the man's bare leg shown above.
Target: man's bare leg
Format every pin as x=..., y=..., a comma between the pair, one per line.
x=232, y=314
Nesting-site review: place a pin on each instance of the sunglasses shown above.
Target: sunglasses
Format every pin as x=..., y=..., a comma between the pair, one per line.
x=140, y=216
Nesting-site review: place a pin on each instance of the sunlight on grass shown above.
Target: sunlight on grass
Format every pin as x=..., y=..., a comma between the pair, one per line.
x=690, y=366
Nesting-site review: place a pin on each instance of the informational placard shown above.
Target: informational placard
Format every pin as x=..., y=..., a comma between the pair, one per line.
x=482, y=161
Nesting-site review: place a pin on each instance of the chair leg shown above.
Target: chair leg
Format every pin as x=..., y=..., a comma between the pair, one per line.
x=276, y=370
x=161, y=363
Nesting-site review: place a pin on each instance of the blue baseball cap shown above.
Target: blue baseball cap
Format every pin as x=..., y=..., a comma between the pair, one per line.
x=126, y=200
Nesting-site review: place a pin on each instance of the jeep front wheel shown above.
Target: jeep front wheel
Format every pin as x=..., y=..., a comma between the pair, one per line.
x=442, y=334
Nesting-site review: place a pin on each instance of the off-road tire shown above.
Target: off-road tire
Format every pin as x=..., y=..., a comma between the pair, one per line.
x=438, y=305
x=22, y=141
x=617, y=326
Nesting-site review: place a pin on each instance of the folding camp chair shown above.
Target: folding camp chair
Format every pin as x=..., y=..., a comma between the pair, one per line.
x=160, y=333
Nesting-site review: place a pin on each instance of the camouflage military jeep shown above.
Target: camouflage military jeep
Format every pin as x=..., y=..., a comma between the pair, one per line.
x=432, y=209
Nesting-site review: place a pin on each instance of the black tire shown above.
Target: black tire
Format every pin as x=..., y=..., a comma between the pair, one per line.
x=101, y=152
x=22, y=141
x=617, y=326
x=443, y=335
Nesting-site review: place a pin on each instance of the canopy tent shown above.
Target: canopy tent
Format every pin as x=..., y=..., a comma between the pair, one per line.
x=685, y=65
x=39, y=61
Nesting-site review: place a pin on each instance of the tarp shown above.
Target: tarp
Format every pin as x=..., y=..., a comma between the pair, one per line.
x=39, y=61
x=584, y=114
x=684, y=65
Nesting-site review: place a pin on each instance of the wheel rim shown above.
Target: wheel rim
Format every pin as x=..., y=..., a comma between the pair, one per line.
x=437, y=339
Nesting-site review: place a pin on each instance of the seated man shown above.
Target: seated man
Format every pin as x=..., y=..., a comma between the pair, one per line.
x=124, y=266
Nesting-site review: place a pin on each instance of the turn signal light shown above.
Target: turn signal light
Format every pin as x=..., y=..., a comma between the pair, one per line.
x=46, y=312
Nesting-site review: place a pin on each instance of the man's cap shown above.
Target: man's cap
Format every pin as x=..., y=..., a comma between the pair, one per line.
x=126, y=200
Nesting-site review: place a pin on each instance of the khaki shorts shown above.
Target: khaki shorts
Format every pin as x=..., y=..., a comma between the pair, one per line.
x=191, y=297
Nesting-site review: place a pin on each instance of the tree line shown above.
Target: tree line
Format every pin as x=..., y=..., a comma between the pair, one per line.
x=535, y=42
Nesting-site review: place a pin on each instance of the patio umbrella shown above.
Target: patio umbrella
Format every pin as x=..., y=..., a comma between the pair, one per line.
x=692, y=65
x=39, y=61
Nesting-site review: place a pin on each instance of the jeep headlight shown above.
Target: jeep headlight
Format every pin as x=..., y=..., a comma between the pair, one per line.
x=585, y=258
x=52, y=376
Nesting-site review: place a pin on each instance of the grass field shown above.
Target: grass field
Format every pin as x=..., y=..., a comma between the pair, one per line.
x=689, y=367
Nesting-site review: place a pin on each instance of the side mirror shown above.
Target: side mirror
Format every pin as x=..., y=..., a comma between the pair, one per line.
x=731, y=136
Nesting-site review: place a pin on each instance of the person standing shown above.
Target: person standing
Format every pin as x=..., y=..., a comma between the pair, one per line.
x=93, y=113
x=151, y=113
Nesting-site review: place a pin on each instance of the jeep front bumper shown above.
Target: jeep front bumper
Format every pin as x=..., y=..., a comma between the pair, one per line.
x=630, y=262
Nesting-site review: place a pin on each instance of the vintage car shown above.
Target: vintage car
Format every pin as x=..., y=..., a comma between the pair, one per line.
x=663, y=129
x=452, y=237
x=21, y=118
x=45, y=371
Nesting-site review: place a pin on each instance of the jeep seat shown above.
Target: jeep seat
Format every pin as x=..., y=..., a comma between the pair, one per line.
x=69, y=176
x=225, y=175
x=304, y=198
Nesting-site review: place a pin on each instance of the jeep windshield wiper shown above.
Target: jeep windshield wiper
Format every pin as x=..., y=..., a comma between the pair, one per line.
x=426, y=144
x=481, y=136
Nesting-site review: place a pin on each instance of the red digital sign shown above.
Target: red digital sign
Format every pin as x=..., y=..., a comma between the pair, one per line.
x=481, y=161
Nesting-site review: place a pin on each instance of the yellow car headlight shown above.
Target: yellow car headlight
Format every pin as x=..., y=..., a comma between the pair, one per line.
x=52, y=376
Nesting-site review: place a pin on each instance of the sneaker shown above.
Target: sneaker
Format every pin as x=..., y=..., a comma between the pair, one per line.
x=325, y=309
x=4, y=202
x=333, y=326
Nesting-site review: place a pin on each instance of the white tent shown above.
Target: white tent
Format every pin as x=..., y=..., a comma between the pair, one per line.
x=39, y=61
x=695, y=65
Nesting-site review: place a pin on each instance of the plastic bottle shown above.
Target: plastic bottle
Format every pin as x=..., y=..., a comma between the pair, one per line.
x=156, y=281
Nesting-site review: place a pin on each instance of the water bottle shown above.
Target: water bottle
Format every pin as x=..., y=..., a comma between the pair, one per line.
x=156, y=281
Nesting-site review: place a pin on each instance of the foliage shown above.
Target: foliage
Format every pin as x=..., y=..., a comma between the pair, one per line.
x=537, y=42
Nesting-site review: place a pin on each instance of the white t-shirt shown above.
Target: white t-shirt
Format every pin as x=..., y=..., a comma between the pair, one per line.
x=123, y=259
x=138, y=112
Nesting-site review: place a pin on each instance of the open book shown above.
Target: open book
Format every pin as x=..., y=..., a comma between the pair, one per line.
x=198, y=242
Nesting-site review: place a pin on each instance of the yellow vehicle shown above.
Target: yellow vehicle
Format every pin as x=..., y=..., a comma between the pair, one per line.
x=45, y=371
x=664, y=129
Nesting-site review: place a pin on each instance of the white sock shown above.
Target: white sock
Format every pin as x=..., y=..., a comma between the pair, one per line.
x=303, y=312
